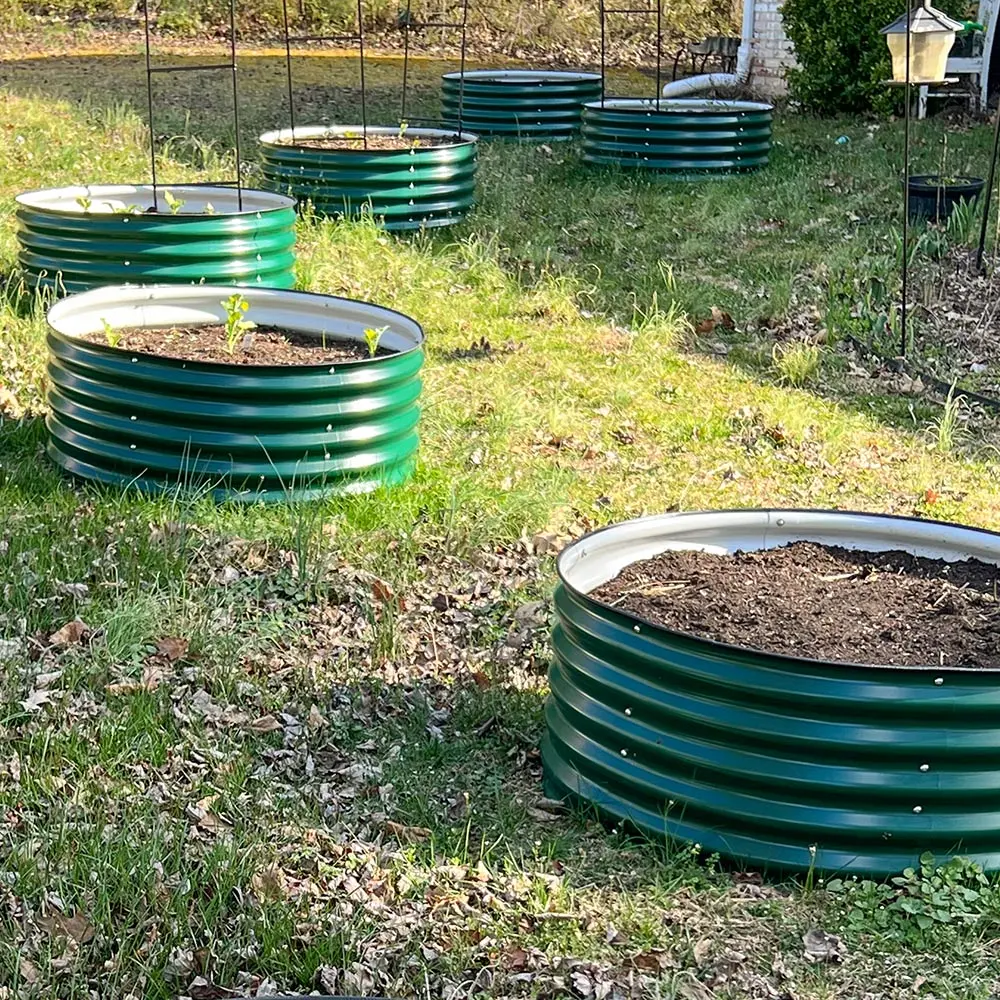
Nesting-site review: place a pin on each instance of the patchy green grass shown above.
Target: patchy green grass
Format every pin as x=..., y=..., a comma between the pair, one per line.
x=295, y=747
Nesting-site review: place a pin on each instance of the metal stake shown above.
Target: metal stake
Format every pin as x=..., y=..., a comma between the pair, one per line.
x=904, y=340
x=236, y=104
x=288, y=68
x=149, y=102
x=361, y=59
x=988, y=200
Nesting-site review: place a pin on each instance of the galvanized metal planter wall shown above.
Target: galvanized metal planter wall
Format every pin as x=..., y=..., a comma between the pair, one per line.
x=761, y=757
x=536, y=105
x=425, y=186
x=237, y=431
x=77, y=238
x=679, y=137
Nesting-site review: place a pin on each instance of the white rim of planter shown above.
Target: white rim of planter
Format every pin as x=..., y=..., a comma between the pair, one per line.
x=288, y=136
x=106, y=199
x=524, y=76
x=695, y=105
x=307, y=313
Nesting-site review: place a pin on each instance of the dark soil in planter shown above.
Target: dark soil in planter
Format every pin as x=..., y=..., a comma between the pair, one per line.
x=822, y=602
x=264, y=345
x=377, y=142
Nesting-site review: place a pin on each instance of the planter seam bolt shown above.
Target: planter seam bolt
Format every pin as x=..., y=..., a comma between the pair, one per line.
x=133, y=417
x=918, y=809
x=635, y=628
x=925, y=768
x=939, y=681
x=628, y=711
x=624, y=753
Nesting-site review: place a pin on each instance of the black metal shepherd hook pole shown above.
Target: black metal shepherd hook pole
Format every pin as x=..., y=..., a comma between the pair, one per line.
x=988, y=200
x=288, y=68
x=904, y=340
x=149, y=103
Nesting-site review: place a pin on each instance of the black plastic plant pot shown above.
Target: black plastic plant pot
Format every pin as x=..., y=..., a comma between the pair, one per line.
x=77, y=238
x=236, y=431
x=934, y=198
x=531, y=105
x=431, y=183
x=773, y=761
x=681, y=138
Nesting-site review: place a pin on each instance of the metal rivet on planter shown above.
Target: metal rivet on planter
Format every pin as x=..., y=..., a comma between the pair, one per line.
x=628, y=711
x=925, y=768
x=939, y=681
x=918, y=809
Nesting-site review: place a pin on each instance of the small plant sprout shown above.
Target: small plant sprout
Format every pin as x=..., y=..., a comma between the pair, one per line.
x=403, y=126
x=209, y=208
x=372, y=337
x=174, y=204
x=236, y=326
x=111, y=335
x=84, y=202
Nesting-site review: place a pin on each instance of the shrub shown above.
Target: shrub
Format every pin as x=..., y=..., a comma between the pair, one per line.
x=843, y=61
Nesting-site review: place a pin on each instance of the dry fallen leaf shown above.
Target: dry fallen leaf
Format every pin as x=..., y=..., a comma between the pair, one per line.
x=407, y=834
x=35, y=700
x=655, y=960
x=77, y=927
x=823, y=947
x=173, y=648
x=29, y=971
x=266, y=724
x=71, y=634
x=702, y=950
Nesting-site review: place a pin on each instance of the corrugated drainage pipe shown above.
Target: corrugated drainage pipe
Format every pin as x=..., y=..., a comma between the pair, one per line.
x=709, y=81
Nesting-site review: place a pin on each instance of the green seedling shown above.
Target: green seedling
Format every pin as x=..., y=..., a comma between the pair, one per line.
x=127, y=210
x=209, y=208
x=236, y=326
x=84, y=202
x=372, y=337
x=403, y=126
x=174, y=204
x=111, y=335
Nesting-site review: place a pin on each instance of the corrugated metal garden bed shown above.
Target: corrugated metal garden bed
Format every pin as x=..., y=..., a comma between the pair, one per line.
x=774, y=761
x=533, y=105
x=678, y=137
x=76, y=238
x=236, y=431
x=426, y=185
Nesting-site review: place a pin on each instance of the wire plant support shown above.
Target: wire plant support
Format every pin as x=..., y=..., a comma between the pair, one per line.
x=647, y=11
x=230, y=67
x=437, y=23
x=356, y=39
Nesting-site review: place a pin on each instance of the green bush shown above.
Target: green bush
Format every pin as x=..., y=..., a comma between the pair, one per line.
x=843, y=60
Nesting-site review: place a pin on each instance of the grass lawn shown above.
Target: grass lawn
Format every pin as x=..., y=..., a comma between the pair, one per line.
x=295, y=748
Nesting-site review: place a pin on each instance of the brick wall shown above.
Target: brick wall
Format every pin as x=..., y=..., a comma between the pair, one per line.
x=772, y=51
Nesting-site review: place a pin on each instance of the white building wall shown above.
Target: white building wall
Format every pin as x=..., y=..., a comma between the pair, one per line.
x=772, y=52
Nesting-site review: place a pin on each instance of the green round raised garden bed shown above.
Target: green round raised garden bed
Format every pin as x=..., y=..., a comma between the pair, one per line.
x=238, y=431
x=772, y=760
x=534, y=105
x=432, y=182
x=76, y=238
x=678, y=137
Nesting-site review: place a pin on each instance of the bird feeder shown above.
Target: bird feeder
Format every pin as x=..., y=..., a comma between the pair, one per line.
x=931, y=36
